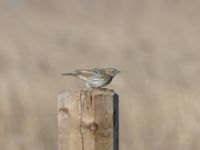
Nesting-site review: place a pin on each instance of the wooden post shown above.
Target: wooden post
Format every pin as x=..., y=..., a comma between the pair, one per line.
x=88, y=120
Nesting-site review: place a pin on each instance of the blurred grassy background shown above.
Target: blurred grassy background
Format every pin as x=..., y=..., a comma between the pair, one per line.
x=155, y=44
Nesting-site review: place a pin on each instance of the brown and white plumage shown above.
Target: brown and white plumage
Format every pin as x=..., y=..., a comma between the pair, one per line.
x=96, y=77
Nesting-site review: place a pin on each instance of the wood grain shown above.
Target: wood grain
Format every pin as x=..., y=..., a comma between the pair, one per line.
x=88, y=120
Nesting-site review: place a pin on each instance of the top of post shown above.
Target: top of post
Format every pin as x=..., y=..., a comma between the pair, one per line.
x=95, y=91
x=65, y=97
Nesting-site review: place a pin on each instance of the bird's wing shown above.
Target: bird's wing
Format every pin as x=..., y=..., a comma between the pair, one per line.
x=100, y=71
x=85, y=74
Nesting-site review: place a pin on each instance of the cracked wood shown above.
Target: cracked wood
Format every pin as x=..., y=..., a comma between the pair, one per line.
x=85, y=120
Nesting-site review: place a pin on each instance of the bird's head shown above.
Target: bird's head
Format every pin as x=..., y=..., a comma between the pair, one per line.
x=112, y=71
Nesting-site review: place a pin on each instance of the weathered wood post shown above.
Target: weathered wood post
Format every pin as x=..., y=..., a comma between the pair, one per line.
x=88, y=120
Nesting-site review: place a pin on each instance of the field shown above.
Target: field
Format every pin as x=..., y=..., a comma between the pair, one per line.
x=155, y=44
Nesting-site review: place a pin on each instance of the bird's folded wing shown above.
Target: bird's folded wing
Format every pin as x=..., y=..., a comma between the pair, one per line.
x=100, y=71
x=85, y=74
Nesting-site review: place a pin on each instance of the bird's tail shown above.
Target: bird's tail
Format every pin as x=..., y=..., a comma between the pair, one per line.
x=68, y=74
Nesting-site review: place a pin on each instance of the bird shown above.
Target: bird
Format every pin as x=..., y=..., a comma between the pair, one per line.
x=95, y=78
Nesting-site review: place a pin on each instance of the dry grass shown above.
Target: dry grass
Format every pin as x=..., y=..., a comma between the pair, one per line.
x=155, y=43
